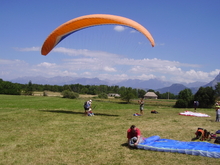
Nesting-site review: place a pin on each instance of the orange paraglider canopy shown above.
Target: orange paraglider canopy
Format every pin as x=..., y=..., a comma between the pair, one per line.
x=86, y=21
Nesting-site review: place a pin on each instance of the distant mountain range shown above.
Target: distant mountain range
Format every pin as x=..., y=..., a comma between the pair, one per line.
x=155, y=84
x=176, y=88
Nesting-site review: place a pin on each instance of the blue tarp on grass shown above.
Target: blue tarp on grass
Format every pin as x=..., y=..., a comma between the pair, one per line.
x=206, y=149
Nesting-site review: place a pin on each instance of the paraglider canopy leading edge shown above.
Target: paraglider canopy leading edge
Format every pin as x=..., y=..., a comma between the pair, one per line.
x=82, y=22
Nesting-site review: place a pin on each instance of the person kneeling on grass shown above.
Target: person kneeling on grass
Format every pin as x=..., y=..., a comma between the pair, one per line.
x=88, y=107
x=133, y=131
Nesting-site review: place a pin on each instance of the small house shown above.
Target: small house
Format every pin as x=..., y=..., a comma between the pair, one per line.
x=113, y=95
x=150, y=95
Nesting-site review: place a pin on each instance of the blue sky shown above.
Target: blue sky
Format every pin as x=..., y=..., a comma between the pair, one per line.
x=186, y=34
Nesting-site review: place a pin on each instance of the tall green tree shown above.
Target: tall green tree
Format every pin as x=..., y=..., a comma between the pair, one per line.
x=217, y=90
x=29, y=89
x=127, y=94
x=185, y=98
x=141, y=93
x=9, y=88
x=206, y=97
x=167, y=95
x=185, y=94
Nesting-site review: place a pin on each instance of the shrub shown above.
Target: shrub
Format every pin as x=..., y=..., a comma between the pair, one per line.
x=69, y=94
x=185, y=97
x=181, y=103
x=103, y=96
x=45, y=93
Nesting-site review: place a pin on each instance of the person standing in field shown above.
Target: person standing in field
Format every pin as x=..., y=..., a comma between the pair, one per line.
x=195, y=105
x=133, y=131
x=217, y=113
x=141, y=102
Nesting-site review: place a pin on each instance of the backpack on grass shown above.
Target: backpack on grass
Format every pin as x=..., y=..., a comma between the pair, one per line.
x=218, y=132
x=217, y=140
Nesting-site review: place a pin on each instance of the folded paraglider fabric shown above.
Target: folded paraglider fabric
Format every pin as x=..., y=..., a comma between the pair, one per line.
x=136, y=114
x=196, y=114
x=155, y=143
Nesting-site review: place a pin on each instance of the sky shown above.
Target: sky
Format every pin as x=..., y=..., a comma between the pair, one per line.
x=186, y=35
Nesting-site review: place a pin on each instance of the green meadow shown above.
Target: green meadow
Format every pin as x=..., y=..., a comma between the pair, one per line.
x=52, y=130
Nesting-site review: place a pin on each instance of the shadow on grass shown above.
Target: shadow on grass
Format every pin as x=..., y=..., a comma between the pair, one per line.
x=211, y=120
x=126, y=145
x=72, y=112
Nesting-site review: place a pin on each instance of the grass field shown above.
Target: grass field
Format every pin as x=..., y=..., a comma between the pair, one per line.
x=53, y=130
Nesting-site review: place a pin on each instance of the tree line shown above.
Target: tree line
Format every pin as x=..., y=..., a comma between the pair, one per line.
x=205, y=95
x=7, y=87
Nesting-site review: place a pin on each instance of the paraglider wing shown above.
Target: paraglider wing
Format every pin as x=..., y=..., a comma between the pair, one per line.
x=86, y=21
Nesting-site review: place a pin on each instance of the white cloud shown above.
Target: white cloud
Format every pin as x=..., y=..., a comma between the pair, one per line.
x=133, y=31
x=146, y=77
x=85, y=53
x=11, y=62
x=68, y=73
x=46, y=64
x=104, y=65
x=119, y=28
x=87, y=74
x=113, y=78
x=109, y=69
x=215, y=72
x=28, y=49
